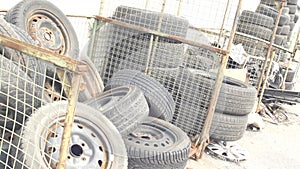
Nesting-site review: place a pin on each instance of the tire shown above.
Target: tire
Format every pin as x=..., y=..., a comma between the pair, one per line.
x=167, y=55
x=290, y=74
x=268, y=2
x=285, y=10
x=296, y=18
x=289, y=85
x=236, y=97
x=42, y=13
x=18, y=95
x=293, y=9
x=92, y=129
x=280, y=39
x=292, y=18
x=292, y=25
x=256, y=19
x=292, y=2
x=124, y=106
x=36, y=66
x=200, y=58
x=254, y=30
x=285, y=30
x=279, y=30
x=284, y=19
x=112, y=41
x=161, y=104
x=157, y=144
x=227, y=127
x=267, y=10
x=192, y=92
x=91, y=78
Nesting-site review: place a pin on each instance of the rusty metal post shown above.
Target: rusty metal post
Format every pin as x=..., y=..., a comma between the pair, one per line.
x=265, y=81
x=223, y=22
x=270, y=48
x=203, y=140
x=68, y=123
x=291, y=58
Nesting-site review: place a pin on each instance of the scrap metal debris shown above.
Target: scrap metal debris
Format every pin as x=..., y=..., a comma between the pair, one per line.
x=229, y=151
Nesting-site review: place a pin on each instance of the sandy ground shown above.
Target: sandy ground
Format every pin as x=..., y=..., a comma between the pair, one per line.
x=273, y=147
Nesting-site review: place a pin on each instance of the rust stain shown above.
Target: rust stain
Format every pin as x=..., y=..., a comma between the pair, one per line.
x=46, y=55
x=179, y=39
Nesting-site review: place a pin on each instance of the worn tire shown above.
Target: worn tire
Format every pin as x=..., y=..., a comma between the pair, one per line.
x=157, y=144
x=289, y=85
x=285, y=30
x=227, y=127
x=292, y=25
x=296, y=18
x=93, y=82
x=167, y=55
x=161, y=104
x=21, y=13
x=124, y=106
x=254, y=30
x=256, y=18
x=200, y=58
x=192, y=92
x=285, y=10
x=267, y=10
x=293, y=9
x=18, y=95
x=45, y=117
x=292, y=2
x=290, y=74
x=236, y=97
x=284, y=19
x=116, y=39
x=280, y=39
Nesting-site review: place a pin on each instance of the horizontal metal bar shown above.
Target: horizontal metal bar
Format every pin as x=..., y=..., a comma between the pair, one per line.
x=58, y=60
x=157, y=33
x=262, y=42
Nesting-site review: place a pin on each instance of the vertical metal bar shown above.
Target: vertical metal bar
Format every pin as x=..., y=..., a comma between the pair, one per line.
x=223, y=22
x=95, y=27
x=179, y=7
x=204, y=137
x=149, y=58
x=68, y=123
x=270, y=48
x=291, y=58
x=265, y=81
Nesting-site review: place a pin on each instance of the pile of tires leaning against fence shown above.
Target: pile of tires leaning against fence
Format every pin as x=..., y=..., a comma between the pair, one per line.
x=124, y=125
x=132, y=122
x=260, y=24
x=183, y=69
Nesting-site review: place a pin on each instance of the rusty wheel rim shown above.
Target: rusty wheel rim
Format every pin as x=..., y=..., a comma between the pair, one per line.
x=48, y=32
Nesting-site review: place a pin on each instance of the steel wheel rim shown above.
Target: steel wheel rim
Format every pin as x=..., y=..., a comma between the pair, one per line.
x=49, y=32
x=88, y=146
x=153, y=136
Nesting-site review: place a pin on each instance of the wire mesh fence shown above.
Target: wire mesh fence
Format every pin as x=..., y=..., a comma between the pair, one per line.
x=30, y=137
x=174, y=42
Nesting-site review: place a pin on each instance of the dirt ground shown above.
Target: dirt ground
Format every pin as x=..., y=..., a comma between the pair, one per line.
x=273, y=147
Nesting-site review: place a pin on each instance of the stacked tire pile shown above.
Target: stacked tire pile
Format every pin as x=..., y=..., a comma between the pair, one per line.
x=120, y=47
x=258, y=25
x=192, y=93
